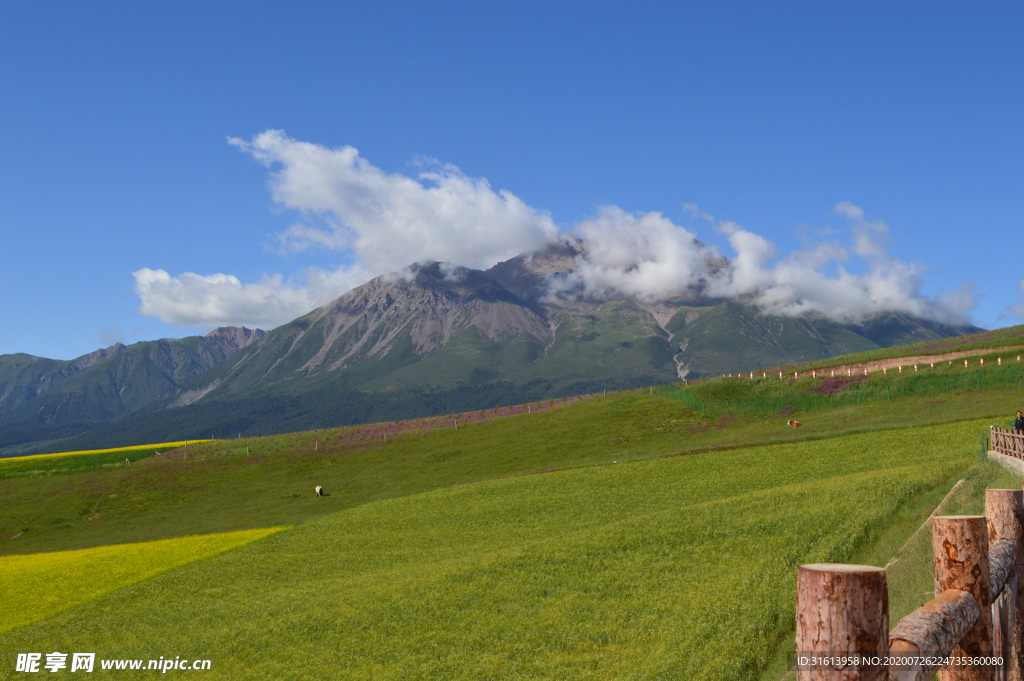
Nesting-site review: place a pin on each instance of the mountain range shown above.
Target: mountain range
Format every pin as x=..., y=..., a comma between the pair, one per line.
x=433, y=338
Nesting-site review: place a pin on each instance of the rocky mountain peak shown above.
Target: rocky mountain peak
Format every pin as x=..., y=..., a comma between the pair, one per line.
x=95, y=357
x=449, y=280
x=526, y=275
x=234, y=338
x=426, y=285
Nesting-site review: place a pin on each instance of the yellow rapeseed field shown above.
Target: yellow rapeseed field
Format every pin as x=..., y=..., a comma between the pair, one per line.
x=36, y=586
x=133, y=448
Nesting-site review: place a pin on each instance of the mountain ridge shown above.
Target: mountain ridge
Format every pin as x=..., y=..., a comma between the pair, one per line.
x=410, y=342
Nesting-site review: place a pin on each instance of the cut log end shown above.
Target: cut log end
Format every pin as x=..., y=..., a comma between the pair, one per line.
x=840, y=567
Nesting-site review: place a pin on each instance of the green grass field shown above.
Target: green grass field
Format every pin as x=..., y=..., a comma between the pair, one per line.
x=622, y=537
x=577, y=574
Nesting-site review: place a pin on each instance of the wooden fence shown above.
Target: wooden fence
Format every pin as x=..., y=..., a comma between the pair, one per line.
x=1009, y=442
x=973, y=629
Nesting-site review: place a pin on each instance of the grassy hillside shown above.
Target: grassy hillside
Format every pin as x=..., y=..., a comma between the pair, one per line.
x=239, y=484
x=947, y=391
x=260, y=482
x=623, y=537
x=216, y=488
x=621, y=571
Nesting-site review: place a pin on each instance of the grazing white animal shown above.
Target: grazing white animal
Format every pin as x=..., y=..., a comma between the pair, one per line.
x=795, y=424
x=319, y=491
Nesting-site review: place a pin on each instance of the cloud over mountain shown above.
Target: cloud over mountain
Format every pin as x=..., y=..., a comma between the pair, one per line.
x=800, y=282
x=379, y=222
x=646, y=256
x=386, y=221
x=211, y=301
x=641, y=255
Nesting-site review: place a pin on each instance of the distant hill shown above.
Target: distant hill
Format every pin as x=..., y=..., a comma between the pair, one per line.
x=433, y=338
x=52, y=398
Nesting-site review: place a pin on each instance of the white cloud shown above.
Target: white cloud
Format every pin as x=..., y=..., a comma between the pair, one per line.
x=848, y=210
x=386, y=221
x=648, y=257
x=746, y=271
x=1018, y=309
x=798, y=283
x=643, y=255
x=223, y=300
x=959, y=302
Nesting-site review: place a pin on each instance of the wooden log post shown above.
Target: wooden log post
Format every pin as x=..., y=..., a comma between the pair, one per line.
x=960, y=557
x=1001, y=557
x=842, y=610
x=930, y=633
x=1004, y=510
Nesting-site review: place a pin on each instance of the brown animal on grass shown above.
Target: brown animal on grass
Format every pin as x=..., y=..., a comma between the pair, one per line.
x=795, y=424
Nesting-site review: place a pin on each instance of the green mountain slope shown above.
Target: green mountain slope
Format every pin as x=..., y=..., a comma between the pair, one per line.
x=733, y=337
x=431, y=339
x=41, y=397
x=617, y=342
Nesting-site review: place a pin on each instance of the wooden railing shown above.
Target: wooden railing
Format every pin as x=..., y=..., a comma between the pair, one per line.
x=972, y=629
x=1009, y=442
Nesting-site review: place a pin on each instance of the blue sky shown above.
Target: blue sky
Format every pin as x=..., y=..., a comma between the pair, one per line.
x=830, y=150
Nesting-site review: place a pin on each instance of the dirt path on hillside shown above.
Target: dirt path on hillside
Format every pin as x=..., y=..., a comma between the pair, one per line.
x=365, y=436
x=894, y=362
x=171, y=455
x=371, y=434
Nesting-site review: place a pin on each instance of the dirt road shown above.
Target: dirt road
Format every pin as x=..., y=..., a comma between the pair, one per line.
x=894, y=362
